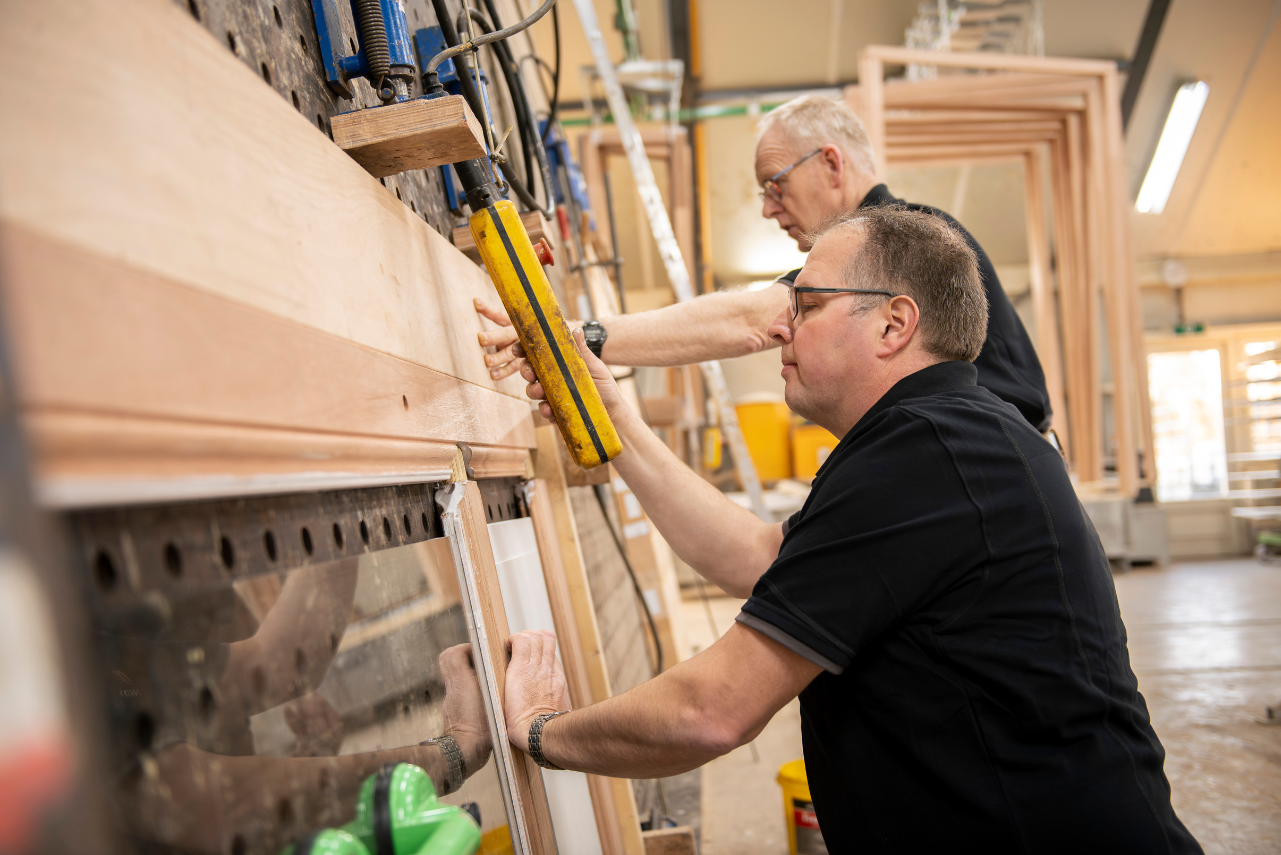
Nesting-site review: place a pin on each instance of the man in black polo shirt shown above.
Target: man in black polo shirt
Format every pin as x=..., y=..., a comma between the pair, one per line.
x=941, y=604
x=813, y=160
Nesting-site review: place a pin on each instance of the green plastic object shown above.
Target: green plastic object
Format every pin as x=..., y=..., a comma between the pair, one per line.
x=397, y=813
x=331, y=841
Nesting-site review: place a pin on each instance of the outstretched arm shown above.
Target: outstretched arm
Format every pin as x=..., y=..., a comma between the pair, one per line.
x=721, y=540
x=694, y=712
x=714, y=326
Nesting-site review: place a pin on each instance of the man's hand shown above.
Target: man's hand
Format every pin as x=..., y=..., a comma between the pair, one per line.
x=464, y=709
x=605, y=383
x=501, y=363
x=535, y=683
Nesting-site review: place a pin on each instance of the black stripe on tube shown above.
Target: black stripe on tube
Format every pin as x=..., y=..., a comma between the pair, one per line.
x=547, y=333
x=383, y=843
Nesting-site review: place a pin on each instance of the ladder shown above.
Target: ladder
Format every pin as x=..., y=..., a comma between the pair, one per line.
x=661, y=226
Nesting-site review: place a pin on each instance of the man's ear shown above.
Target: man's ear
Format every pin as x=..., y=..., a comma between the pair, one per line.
x=899, y=320
x=834, y=162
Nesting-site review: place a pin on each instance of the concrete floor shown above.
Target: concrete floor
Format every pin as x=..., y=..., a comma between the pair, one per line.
x=1205, y=641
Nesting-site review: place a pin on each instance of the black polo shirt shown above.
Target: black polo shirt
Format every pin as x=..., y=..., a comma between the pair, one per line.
x=977, y=693
x=1007, y=364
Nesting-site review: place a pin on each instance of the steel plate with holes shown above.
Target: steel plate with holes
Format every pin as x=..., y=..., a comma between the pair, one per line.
x=263, y=656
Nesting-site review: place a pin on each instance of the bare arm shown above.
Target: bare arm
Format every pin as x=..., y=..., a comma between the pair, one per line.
x=725, y=542
x=698, y=710
x=714, y=326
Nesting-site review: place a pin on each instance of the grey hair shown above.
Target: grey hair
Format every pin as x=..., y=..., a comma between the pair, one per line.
x=813, y=121
x=922, y=256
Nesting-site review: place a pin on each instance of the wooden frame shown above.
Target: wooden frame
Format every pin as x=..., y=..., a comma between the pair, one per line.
x=613, y=800
x=1060, y=118
x=463, y=515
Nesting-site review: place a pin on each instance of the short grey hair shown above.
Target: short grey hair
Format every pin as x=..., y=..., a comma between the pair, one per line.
x=813, y=121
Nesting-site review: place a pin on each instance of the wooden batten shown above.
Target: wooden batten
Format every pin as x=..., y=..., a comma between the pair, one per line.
x=534, y=226
x=416, y=134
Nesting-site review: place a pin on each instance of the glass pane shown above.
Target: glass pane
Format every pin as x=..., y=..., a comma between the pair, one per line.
x=257, y=717
x=1263, y=391
x=1186, y=390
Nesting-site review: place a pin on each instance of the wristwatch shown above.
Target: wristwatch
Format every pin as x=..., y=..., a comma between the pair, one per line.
x=595, y=334
x=455, y=765
x=536, y=740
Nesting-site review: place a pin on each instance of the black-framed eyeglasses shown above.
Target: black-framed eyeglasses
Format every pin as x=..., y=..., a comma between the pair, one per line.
x=772, y=189
x=796, y=309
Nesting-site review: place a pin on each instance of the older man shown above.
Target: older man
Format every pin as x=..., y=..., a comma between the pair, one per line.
x=941, y=604
x=813, y=160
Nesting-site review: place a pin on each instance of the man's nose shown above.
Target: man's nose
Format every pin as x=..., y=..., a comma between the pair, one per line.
x=780, y=329
x=770, y=208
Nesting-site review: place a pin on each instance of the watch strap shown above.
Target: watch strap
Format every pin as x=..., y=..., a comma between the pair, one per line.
x=594, y=334
x=536, y=740
x=456, y=767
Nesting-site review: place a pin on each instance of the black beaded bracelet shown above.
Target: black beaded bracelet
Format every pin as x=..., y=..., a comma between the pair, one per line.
x=536, y=740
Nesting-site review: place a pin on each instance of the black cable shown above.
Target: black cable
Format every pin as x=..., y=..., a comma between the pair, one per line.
x=622, y=552
x=515, y=88
x=531, y=141
x=555, y=104
x=465, y=82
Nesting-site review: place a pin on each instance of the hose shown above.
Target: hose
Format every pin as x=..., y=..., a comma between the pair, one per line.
x=531, y=140
x=555, y=102
x=373, y=38
x=515, y=89
x=472, y=44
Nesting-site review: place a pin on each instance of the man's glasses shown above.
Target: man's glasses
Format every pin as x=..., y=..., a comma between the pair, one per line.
x=772, y=188
x=796, y=309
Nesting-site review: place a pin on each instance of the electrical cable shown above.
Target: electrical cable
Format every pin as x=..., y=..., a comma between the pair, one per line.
x=555, y=101
x=622, y=552
x=531, y=141
x=515, y=89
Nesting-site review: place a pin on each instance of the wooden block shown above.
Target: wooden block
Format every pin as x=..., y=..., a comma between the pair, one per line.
x=670, y=841
x=415, y=134
x=533, y=221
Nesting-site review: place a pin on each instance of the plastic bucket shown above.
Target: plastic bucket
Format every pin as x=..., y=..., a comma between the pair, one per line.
x=803, y=836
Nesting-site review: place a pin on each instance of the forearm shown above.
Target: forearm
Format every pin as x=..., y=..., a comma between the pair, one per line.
x=714, y=326
x=658, y=729
x=721, y=540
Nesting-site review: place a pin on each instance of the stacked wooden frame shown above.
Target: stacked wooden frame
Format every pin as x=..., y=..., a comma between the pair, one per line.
x=1061, y=119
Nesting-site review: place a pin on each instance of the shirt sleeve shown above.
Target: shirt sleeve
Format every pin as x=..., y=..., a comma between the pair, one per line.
x=888, y=528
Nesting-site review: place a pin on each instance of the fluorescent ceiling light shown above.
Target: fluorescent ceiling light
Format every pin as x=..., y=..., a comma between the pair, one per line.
x=1175, y=137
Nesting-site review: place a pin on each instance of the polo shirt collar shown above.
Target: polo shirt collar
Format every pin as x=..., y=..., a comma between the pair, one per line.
x=932, y=380
x=935, y=379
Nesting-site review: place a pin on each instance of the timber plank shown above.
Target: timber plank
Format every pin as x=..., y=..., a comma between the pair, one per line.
x=416, y=134
x=211, y=179
x=127, y=376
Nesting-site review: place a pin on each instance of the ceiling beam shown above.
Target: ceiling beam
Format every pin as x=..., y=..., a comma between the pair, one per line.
x=1142, y=56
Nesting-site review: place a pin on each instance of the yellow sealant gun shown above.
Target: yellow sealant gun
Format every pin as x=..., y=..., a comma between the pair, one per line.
x=517, y=273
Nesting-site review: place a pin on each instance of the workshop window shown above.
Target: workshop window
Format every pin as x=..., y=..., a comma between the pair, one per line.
x=1186, y=389
x=1262, y=371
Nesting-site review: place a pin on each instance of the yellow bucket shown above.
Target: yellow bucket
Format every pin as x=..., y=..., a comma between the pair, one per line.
x=803, y=836
x=767, y=429
x=811, y=445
